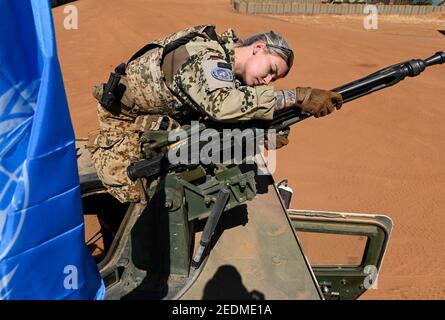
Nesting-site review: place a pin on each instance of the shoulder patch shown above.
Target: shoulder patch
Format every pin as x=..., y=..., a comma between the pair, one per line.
x=222, y=74
x=217, y=75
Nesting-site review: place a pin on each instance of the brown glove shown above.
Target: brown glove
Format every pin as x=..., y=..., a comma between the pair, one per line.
x=317, y=101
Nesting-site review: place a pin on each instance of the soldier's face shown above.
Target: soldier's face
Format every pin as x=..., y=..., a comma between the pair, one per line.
x=262, y=67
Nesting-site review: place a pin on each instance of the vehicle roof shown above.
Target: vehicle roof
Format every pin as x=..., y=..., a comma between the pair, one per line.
x=261, y=259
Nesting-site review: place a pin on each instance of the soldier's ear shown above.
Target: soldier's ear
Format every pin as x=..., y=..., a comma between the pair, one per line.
x=258, y=46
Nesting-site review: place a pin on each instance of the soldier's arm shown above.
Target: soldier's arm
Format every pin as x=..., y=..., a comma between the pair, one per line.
x=208, y=84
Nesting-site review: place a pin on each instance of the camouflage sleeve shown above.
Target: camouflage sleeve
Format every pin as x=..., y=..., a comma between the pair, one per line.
x=207, y=83
x=285, y=98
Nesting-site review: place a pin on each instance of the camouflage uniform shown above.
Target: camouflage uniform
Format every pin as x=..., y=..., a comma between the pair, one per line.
x=194, y=80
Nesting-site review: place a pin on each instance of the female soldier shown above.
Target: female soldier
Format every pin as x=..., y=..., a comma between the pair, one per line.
x=189, y=75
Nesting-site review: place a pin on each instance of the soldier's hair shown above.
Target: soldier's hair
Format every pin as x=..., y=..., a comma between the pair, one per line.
x=275, y=44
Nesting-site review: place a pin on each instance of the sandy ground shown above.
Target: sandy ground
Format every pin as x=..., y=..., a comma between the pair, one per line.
x=381, y=154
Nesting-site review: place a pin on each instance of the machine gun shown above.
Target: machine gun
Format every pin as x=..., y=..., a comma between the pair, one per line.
x=159, y=164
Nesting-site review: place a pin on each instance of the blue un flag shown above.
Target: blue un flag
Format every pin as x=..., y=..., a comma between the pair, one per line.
x=42, y=249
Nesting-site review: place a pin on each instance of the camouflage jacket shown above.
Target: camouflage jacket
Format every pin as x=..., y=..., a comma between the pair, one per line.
x=195, y=79
x=208, y=83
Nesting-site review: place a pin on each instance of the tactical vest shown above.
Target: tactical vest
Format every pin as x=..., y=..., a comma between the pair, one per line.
x=146, y=89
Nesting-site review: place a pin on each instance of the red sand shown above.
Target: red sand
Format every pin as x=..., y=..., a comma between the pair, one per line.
x=381, y=154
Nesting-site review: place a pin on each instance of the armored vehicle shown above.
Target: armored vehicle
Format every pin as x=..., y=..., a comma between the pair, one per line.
x=210, y=230
x=255, y=251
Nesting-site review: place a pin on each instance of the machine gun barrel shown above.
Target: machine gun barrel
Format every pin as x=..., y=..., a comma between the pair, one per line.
x=387, y=77
x=376, y=81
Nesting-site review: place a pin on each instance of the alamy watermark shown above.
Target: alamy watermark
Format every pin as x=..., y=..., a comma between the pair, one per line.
x=227, y=146
x=371, y=21
x=71, y=281
x=71, y=20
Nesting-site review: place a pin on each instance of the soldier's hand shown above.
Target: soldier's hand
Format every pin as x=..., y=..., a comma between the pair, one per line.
x=318, y=102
